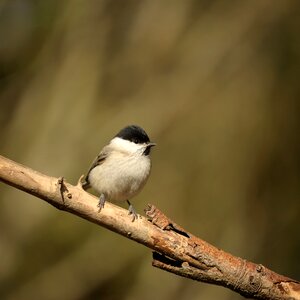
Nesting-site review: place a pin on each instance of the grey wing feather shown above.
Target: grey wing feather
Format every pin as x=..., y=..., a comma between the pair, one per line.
x=100, y=158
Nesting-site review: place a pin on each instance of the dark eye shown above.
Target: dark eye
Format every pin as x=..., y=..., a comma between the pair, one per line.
x=135, y=140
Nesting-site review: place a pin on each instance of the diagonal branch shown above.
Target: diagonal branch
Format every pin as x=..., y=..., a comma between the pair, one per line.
x=175, y=249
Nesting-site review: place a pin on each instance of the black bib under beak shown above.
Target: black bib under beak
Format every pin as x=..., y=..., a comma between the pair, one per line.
x=148, y=148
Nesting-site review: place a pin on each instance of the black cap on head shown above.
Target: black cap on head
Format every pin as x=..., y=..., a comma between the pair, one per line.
x=135, y=134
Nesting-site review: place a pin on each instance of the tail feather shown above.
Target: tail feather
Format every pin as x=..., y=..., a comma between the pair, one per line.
x=86, y=184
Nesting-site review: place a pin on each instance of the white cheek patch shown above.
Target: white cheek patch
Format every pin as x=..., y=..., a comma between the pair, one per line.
x=126, y=146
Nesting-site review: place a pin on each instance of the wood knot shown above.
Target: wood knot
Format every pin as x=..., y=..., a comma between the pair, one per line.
x=63, y=189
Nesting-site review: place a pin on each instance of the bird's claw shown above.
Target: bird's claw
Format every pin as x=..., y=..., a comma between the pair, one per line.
x=131, y=211
x=101, y=202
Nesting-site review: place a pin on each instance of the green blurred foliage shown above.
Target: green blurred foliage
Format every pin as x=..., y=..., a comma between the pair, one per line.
x=214, y=83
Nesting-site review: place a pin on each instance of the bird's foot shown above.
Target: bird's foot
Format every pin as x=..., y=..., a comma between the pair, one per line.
x=101, y=202
x=131, y=211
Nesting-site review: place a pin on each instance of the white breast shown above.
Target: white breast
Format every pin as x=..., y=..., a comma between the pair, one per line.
x=121, y=176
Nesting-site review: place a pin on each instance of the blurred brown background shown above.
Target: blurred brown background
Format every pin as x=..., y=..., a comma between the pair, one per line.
x=216, y=86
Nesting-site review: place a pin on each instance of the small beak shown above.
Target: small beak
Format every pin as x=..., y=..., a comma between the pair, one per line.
x=148, y=148
x=151, y=145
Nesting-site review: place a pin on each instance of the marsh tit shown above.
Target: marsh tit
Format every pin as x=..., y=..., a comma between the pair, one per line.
x=122, y=167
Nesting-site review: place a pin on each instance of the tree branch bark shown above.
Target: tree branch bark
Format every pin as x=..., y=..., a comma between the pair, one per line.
x=175, y=250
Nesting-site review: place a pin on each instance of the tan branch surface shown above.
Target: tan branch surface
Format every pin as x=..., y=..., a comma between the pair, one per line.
x=176, y=250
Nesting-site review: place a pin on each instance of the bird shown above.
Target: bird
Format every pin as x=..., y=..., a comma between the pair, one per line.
x=121, y=169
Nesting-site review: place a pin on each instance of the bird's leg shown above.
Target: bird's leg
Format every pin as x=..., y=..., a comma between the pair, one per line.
x=101, y=202
x=132, y=212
